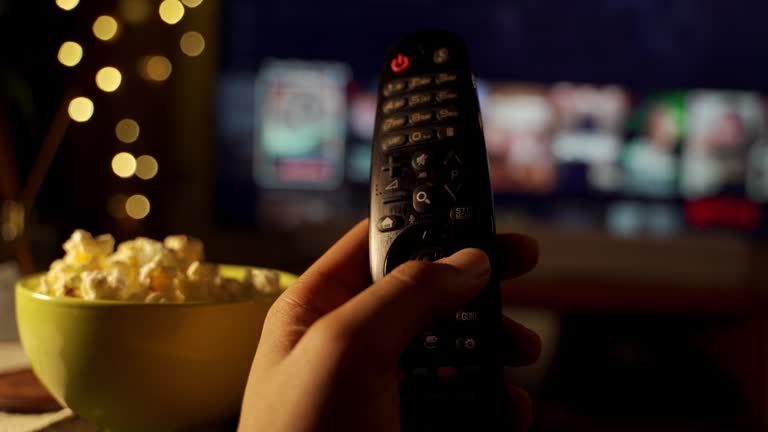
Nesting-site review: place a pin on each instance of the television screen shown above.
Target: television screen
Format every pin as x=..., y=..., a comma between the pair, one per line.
x=614, y=133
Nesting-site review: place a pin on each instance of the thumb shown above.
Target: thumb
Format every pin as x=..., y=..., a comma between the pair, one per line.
x=382, y=320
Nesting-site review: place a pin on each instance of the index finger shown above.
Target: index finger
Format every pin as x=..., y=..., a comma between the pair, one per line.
x=331, y=281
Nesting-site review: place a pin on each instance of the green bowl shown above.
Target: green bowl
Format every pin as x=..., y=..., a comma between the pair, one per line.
x=143, y=366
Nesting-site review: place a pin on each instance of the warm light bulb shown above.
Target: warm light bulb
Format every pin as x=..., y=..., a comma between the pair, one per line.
x=146, y=167
x=124, y=165
x=171, y=11
x=105, y=27
x=192, y=3
x=67, y=4
x=127, y=130
x=137, y=206
x=192, y=43
x=70, y=53
x=80, y=109
x=157, y=68
x=108, y=79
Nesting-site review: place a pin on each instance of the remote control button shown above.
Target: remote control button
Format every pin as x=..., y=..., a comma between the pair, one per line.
x=445, y=77
x=391, y=167
x=430, y=341
x=421, y=372
x=452, y=191
x=452, y=160
x=446, y=372
x=472, y=371
x=393, y=87
x=420, y=161
x=412, y=219
x=389, y=223
x=427, y=255
x=420, y=117
x=422, y=199
x=466, y=343
x=393, y=105
x=447, y=132
x=393, y=185
x=446, y=113
x=441, y=56
x=419, y=81
x=394, y=197
x=392, y=123
x=400, y=63
x=391, y=141
x=460, y=213
x=428, y=235
x=421, y=135
x=445, y=95
x=419, y=99
x=467, y=316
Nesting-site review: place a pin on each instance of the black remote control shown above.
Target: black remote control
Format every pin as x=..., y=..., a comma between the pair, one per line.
x=430, y=197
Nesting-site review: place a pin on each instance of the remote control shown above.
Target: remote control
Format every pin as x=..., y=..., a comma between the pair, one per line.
x=430, y=197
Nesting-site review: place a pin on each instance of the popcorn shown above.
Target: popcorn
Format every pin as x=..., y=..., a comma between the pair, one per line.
x=262, y=282
x=149, y=271
x=84, y=250
x=188, y=249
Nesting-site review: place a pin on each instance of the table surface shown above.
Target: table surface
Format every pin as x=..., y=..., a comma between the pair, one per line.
x=12, y=358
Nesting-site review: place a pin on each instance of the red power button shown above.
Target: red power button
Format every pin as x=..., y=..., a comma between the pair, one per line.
x=400, y=63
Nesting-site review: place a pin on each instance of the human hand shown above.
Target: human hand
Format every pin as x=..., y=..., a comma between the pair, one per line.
x=328, y=355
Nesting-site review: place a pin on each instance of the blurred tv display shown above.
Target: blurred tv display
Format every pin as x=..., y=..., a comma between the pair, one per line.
x=633, y=159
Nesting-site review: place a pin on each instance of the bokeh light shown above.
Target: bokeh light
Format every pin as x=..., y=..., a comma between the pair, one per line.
x=70, y=53
x=124, y=165
x=192, y=3
x=157, y=68
x=137, y=206
x=108, y=79
x=67, y=4
x=105, y=27
x=192, y=43
x=171, y=11
x=80, y=109
x=127, y=130
x=146, y=167
x=135, y=11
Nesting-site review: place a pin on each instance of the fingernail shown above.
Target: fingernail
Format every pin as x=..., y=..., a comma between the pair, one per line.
x=471, y=261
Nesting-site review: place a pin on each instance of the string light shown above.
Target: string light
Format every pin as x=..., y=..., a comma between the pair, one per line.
x=192, y=3
x=127, y=130
x=137, y=206
x=171, y=11
x=70, y=53
x=105, y=27
x=192, y=43
x=80, y=109
x=108, y=79
x=157, y=68
x=146, y=167
x=67, y=5
x=124, y=165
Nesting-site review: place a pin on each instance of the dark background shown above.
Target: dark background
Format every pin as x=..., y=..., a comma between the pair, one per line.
x=639, y=333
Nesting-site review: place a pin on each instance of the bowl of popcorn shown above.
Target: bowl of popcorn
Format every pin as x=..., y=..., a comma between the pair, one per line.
x=147, y=336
